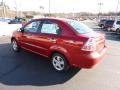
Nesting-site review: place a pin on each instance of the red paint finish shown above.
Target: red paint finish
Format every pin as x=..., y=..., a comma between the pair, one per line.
x=69, y=43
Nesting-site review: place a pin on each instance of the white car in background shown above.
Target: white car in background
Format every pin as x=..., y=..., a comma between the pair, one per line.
x=116, y=26
x=5, y=20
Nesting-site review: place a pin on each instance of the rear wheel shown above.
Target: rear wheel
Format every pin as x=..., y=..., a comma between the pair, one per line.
x=15, y=46
x=59, y=62
x=118, y=31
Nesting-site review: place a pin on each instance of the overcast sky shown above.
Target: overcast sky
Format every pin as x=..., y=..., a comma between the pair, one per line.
x=64, y=5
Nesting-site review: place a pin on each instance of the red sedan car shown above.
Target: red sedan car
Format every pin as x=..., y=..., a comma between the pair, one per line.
x=66, y=42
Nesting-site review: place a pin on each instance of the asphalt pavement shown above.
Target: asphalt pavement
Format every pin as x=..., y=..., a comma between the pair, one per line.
x=27, y=71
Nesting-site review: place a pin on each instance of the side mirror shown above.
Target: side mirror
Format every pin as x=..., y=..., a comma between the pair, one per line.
x=21, y=30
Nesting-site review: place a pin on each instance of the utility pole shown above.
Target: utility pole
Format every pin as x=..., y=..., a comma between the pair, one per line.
x=49, y=8
x=42, y=10
x=73, y=13
x=16, y=8
x=20, y=10
x=3, y=7
x=100, y=5
x=118, y=2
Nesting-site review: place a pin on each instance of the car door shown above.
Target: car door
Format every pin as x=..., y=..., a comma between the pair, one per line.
x=29, y=35
x=48, y=36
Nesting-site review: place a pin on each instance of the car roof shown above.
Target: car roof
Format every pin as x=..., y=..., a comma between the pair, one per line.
x=117, y=20
x=53, y=18
x=110, y=20
x=103, y=19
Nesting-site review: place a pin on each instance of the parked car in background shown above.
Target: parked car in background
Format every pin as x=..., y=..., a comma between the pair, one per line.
x=116, y=26
x=108, y=25
x=5, y=20
x=102, y=22
x=16, y=21
x=65, y=42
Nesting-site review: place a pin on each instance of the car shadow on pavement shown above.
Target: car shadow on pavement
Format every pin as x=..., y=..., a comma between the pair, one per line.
x=29, y=69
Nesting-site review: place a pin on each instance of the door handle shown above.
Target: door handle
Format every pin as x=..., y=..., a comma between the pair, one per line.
x=52, y=40
x=27, y=35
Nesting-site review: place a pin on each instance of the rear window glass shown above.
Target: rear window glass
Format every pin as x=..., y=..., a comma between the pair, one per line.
x=118, y=22
x=109, y=22
x=79, y=27
x=102, y=20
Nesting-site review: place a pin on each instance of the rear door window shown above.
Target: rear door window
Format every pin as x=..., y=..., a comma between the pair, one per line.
x=110, y=22
x=49, y=27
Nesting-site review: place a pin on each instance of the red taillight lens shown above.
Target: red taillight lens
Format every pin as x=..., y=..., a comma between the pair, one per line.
x=90, y=45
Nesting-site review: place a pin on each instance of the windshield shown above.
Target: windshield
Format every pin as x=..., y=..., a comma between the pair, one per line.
x=118, y=22
x=79, y=27
x=110, y=22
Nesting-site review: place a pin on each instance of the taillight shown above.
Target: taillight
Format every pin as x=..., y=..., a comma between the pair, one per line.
x=90, y=45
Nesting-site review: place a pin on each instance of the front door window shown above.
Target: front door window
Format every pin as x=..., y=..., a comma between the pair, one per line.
x=50, y=28
x=32, y=27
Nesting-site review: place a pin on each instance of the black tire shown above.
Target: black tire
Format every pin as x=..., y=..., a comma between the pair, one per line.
x=65, y=66
x=15, y=45
x=102, y=26
x=118, y=31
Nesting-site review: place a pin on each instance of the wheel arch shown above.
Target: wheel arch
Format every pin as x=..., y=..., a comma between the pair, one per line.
x=66, y=55
x=117, y=29
x=13, y=38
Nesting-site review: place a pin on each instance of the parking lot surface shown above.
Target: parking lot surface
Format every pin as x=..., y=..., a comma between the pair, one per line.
x=27, y=71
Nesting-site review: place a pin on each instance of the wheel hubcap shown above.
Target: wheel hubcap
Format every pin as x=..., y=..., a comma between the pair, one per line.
x=58, y=63
x=14, y=44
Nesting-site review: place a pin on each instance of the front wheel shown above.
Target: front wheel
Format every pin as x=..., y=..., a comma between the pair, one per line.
x=15, y=46
x=59, y=62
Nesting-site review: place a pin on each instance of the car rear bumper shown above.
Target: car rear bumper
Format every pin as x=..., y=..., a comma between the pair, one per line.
x=113, y=29
x=107, y=27
x=90, y=60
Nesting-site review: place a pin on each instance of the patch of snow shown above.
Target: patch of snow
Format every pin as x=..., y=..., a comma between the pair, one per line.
x=7, y=29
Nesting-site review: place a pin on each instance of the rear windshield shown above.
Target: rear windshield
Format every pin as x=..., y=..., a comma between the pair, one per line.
x=79, y=27
x=110, y=22
x=118, y=22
